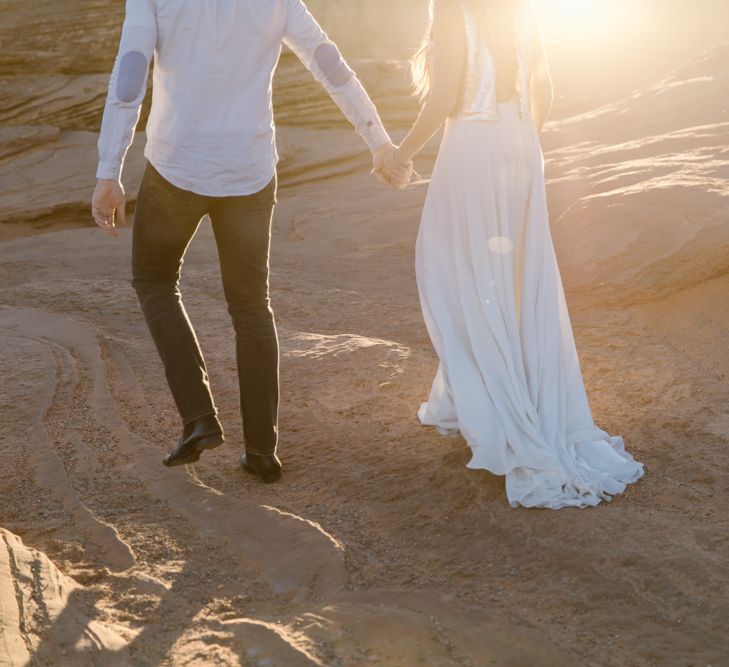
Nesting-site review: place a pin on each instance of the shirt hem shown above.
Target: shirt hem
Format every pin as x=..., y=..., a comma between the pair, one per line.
x=198, y=187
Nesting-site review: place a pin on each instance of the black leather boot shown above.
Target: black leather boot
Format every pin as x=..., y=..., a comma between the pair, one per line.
x=197, y=436
x=265, y=466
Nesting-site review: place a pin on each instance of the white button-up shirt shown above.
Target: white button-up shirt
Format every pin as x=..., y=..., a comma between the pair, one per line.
x=211, y=127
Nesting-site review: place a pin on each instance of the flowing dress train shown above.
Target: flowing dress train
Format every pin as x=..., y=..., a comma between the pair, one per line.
x=509, y=377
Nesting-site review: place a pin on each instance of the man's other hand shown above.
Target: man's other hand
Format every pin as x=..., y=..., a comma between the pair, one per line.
x=108, y=205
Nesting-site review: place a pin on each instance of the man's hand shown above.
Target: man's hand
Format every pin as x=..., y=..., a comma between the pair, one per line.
x=387, y=170
x=108, y=205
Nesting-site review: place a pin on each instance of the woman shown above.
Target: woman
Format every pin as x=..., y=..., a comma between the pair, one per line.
x=490, y=289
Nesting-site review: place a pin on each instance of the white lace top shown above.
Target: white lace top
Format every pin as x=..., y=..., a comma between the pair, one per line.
x=479, y=95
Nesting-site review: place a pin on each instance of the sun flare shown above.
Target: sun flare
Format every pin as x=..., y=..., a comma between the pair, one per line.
x=577, y=18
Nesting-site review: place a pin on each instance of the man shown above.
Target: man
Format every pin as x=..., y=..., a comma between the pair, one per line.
x=211, y=150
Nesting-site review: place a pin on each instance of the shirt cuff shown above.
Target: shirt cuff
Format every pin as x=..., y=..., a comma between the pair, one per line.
x=375, y=135
x=109, y=170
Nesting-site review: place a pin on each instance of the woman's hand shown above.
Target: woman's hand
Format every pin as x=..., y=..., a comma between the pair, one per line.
x=108, y=205
x=387, y=169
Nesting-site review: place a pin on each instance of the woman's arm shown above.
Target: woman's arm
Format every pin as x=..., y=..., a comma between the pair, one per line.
x=542, y=97
x=448, y=62
x=541, y=84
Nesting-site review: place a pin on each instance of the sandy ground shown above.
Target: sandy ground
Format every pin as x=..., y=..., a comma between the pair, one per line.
x=379, y=547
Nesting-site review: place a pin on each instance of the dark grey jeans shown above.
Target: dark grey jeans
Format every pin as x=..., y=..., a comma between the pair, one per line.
x=165, y=221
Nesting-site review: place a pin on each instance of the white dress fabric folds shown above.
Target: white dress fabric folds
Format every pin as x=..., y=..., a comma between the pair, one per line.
x=509, y=377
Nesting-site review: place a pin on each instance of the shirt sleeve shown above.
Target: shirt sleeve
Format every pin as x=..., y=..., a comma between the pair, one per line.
x=321, y=57
x=127, y=86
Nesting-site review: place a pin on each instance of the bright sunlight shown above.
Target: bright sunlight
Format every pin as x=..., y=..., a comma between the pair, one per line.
x=569, y=19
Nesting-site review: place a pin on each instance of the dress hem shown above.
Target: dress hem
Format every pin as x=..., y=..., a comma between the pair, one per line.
x=551, y=486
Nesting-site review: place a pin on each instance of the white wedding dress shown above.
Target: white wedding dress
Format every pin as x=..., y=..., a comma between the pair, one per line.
x=509, y=377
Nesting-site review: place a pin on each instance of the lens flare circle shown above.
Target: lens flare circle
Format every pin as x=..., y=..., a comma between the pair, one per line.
x=500, y=245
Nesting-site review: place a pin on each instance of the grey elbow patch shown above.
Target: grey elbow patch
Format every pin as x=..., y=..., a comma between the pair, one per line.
x=331, y=65
x=131, y=77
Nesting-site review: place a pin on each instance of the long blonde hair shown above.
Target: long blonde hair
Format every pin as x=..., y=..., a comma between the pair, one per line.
x=419, y=65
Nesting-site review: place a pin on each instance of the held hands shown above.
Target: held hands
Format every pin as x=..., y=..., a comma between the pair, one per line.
x=107, y=205
x=387, y=169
